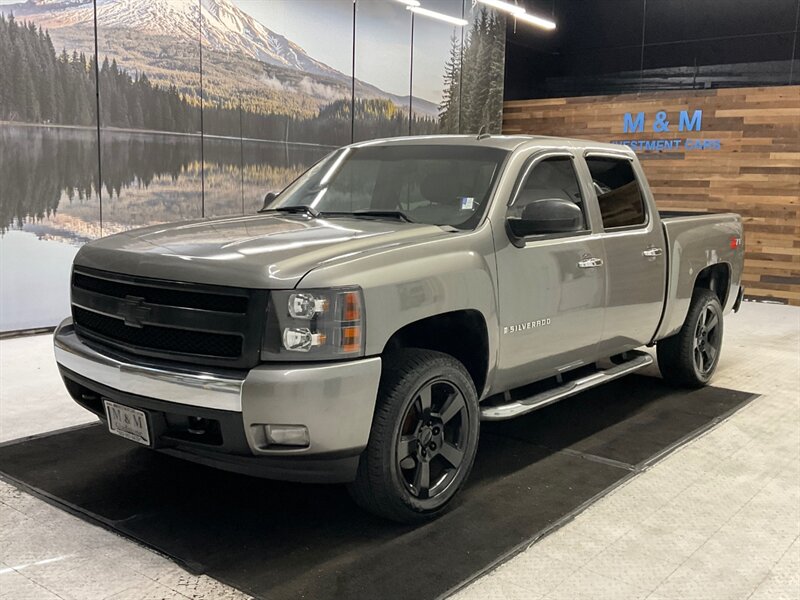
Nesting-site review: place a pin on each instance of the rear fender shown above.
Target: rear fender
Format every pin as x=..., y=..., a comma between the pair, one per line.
x=697, y=243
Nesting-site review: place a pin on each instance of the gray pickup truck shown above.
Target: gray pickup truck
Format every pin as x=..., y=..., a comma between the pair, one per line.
x=397, y=293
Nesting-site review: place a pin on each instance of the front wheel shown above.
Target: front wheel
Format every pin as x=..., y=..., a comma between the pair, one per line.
x=690, y=357
x=423, y=440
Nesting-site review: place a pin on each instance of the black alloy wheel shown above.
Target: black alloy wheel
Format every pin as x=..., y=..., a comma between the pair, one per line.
x=431, y=441
x=423, y=439
x=707, y=340
x=690, y=357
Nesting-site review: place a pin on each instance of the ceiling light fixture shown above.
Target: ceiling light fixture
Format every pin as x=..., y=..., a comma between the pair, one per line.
x=409, y=2
x=504, y=6
x=437, y=15
x=534, y=20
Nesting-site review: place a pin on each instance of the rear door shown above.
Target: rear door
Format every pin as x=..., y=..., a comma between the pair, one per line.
x=551, y=286
x=635, y=252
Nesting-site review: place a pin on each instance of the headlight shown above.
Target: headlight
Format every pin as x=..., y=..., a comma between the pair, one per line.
x=321, y=324
x=304, y=305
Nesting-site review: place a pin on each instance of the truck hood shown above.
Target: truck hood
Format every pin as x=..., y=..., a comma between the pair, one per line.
x=256, y=251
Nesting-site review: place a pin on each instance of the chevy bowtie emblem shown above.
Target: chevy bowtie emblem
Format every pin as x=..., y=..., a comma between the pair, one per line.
x=133, y=311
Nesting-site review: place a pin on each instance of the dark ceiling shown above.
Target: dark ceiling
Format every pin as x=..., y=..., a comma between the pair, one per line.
x=616, y=46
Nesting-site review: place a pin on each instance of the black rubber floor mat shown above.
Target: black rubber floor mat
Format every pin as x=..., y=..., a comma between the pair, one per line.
x=280, y=540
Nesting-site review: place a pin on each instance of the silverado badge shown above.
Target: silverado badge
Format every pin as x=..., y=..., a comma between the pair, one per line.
x=517, y=327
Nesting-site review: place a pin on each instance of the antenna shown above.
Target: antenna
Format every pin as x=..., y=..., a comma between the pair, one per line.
x=482, y=135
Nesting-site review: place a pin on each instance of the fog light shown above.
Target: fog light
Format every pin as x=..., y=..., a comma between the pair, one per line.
x=287, y=435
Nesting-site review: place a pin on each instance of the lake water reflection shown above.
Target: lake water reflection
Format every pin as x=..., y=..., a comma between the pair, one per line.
x=49, y=184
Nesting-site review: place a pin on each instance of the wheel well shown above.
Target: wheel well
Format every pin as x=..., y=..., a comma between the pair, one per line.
x=462, y=334
x=716, y=278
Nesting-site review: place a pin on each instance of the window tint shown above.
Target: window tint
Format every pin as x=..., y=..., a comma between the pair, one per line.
x=618, y=192
x=550, y=178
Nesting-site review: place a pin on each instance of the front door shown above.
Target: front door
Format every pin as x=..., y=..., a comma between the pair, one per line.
x=552, y=286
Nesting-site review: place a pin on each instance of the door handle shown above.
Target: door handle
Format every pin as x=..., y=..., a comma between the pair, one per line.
x=590, y=262
x=652, y=252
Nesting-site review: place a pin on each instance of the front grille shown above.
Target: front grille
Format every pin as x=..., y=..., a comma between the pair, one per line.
x=159, y=338
x=189, y=322
x=156, y=295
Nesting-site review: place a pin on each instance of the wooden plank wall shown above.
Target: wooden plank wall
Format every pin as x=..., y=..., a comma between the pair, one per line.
x=756, y=171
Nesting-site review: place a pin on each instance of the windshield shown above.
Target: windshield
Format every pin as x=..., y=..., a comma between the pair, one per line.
x=436, y=185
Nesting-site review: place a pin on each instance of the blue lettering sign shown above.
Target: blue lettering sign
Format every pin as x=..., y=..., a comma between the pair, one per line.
x=688, y=120
x=693, y=124
x=661, y=125
x=629, y=125
x=703, y=144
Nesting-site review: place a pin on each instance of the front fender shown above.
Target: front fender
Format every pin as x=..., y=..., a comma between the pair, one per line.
x=404, y=284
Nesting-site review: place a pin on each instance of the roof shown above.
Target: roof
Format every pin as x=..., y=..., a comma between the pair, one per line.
x=504, y=142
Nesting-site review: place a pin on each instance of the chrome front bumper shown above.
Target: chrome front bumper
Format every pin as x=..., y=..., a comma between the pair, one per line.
x=335, y=401
x=195, y=389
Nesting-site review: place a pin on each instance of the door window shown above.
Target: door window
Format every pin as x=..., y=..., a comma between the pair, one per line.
x=550, y=178
x=618, y=193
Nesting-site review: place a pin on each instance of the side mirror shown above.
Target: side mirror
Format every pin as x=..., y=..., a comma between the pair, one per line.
x=551, y=215
x=268, y=200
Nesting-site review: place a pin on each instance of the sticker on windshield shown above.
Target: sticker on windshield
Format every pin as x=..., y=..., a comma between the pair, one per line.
x=467, y=203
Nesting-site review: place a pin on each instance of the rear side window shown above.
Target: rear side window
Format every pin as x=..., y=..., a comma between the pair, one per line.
x=618, y=192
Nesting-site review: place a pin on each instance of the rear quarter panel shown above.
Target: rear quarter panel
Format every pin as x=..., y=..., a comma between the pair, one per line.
x=696, y=242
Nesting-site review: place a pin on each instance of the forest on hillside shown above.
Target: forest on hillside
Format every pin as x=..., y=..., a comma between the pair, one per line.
x=473, y=78
x=37, y=85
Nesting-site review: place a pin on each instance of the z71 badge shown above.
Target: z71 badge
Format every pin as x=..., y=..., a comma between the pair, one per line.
x=517, y=327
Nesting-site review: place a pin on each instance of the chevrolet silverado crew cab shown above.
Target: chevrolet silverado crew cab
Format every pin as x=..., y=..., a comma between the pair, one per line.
x=399, y=292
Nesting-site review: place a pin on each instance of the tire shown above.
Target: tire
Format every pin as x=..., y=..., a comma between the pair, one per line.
x=690, y=357
x=426, y=422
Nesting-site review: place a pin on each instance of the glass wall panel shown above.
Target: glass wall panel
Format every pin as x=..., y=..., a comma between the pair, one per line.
x=435, y=79
x=225, y=71
x=149, y=86
x=297, y=86
x=383, y=69
x=482, y=71
x=49, y=203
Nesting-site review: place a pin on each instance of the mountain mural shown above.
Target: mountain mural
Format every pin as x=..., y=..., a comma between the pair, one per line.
x=169, y=148
x=242, y=58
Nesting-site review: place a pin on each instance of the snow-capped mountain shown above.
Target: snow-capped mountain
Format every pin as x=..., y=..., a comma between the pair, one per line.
x=225, y=27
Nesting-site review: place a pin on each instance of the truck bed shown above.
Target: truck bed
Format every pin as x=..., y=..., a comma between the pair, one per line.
x=671, y=214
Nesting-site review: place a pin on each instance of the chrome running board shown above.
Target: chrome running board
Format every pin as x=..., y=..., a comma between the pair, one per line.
x=526, y=405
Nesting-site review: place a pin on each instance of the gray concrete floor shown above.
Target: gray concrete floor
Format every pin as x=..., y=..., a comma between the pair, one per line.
x=717, y=519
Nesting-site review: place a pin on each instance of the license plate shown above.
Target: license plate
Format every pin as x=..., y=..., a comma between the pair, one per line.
x=127, y=422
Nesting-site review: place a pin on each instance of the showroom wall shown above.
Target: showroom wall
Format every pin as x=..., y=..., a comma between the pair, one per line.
x=197, y=108
x=705, y=91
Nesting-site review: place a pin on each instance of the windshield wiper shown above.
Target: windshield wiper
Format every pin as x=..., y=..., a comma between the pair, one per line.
x=298, y=208
x=391, y=214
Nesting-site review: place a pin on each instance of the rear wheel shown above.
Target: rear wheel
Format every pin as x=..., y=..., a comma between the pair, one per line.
x=423, y=439
x=690, y=357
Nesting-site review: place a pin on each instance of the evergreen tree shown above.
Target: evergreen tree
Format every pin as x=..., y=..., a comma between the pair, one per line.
x=19, y=88
x=497, y=63
x=451, y=99
x=474, y=98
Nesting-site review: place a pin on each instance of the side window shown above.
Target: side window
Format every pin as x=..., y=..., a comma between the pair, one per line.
x=550, y=178
x=618, y=192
